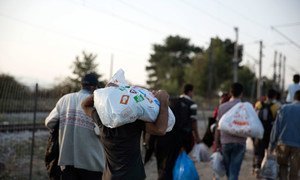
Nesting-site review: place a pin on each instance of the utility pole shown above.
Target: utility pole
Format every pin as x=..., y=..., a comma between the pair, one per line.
x=259, y=70
x=274, y=73
x=210, y=66
x=279, y=71
x=283, y=74
x=235, y=55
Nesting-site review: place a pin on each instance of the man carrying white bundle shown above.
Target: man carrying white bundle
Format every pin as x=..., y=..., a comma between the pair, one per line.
x=117, y=114
x=122, y=144
x=231, y=146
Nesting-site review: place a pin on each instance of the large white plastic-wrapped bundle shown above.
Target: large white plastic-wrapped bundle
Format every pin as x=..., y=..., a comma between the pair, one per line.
x=242, y=120
x=122, y=104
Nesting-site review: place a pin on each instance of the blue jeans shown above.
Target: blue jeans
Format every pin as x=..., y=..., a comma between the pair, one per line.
x=233, y=154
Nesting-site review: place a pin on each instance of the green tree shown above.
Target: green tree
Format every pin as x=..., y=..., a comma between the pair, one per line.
x=212, y=68
x=248, y=80
x=83, y=65
x=212, y=71
x=194, y=72
x=168, y=63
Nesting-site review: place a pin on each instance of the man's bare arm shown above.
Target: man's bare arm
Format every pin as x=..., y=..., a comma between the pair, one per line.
x=159, y=127
x=88, y=105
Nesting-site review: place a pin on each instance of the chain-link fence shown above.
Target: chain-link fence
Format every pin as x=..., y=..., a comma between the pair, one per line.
x=23, y=135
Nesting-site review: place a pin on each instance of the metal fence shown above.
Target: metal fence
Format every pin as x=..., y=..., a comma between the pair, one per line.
x=23, y=136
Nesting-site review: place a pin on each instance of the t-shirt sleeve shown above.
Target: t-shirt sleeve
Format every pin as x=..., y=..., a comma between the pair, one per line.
x=53, y=118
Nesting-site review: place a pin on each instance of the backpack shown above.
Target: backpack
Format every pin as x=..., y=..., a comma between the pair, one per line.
x=52, y=154
x=182, y=129
x=182, y=112
x=265, y=115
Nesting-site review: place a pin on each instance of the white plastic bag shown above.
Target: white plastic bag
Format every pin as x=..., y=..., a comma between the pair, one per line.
x=242, y=120
x=124, y=104
x=217, y=164
x=269, y=167
x=119, y=78
x=114, y=107
x=200, y=153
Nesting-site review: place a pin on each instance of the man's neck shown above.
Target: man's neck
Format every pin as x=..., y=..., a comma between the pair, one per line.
x=87, y=90
x=235, y=98
x=185, y=96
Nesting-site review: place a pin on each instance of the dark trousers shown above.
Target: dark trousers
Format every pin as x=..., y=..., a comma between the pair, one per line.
x=260, y=145
x=71, y=173
x=167, y=149
x=288, y=158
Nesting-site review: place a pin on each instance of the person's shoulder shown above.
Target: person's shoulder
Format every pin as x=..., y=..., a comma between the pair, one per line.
x=222, y=106
x=69, y=96
x=227, y=103
x=65, y=96
x=285, y=107
x=293, y=86
x=190, y=103
x=186, y=99
x=292, y=104
x=276, y=105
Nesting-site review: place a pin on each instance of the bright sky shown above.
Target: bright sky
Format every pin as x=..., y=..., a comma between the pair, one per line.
x=39, y=39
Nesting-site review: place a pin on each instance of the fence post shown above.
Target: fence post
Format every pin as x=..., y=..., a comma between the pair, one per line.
x=33, y=129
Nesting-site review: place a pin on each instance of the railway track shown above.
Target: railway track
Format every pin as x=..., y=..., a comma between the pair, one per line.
x=21, y=127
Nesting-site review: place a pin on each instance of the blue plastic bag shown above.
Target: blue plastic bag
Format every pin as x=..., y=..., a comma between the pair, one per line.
x=184, y=168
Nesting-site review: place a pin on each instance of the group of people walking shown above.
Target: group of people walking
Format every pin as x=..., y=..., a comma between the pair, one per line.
x=281, y=123
x=90, y=150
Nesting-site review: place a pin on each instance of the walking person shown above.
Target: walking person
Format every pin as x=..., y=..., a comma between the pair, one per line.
x=267, y=112
x=285, y=139
x=81, y=155
x=212, y=127
x=293, y=88
x=122, y=144
x=232, y=147
x=182, y=137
